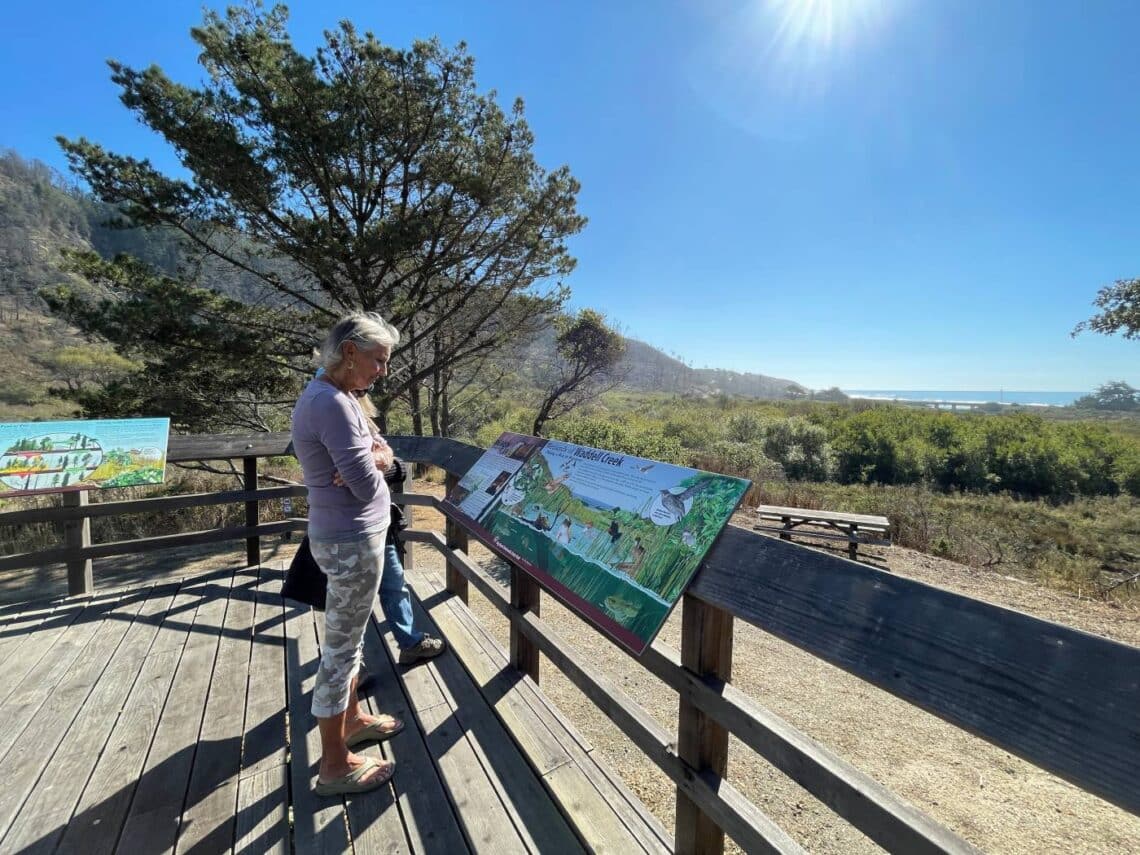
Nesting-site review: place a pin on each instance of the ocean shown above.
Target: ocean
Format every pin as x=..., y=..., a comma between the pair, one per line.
x=1049, y=399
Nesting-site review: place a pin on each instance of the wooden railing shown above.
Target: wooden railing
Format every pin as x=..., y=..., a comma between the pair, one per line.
x=1064, y=700
x=76, y=512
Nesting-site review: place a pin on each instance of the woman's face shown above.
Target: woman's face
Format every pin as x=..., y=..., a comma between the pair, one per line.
x=368, y=364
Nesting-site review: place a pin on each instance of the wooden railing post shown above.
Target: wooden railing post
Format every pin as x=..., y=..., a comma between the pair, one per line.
x=706, y=650
x=456, y=539
x=526, y=596
x=252, y=544
x=76, y=536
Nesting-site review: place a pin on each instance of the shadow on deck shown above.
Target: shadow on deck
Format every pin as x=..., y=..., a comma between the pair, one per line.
x=175, y=717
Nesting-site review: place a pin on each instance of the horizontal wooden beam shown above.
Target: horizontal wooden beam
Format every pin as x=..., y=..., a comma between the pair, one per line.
x=450, y=455
x=717, y=798
x=182, y=448
x=142, y=506
x=853, y=795
x=459, y=561
x=148, y=544
x=417, y=499
x=1064, y=700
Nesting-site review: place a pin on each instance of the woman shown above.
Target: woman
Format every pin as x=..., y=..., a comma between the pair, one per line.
x=348, y=522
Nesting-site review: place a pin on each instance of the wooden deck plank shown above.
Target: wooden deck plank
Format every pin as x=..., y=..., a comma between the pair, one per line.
x=263, y=785
x=18, y=629
x=264, y=745
x=484, y=820
x=319, y=824
x=47, y=811
x=429, y=820
x=152, y=820
x=497, y=685
x=642, y=825
x=591, y=785
x=374, y=821
x=507, y=785
x=262, y=820
x=207, y=824
x=181, y=743
x=555, y=720
x=24, y=764
x=45, y=653
x=599, y=811
x=94, y=828
x=473, y=798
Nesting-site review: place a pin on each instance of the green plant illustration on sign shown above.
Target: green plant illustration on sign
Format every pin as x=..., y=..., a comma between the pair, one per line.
x=619, y=536
x=56, y=456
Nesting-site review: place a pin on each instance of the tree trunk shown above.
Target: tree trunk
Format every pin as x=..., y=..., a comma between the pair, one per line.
x=416, y=402
x=445, y=412
x=542, y=417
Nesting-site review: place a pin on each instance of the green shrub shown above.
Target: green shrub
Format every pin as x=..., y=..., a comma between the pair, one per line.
x=742, y=459
x=617, y=435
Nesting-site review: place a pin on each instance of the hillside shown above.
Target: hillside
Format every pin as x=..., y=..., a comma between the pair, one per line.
x=42, y=215
x=651, y=370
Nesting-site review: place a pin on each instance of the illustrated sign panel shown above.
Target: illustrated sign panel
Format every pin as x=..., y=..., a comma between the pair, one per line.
x=615, y=536
x=51, y=457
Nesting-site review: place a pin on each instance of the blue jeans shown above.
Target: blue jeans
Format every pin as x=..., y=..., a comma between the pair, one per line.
x=396, y=602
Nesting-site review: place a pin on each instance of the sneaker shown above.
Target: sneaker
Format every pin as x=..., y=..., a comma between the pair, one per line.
x=428, y=648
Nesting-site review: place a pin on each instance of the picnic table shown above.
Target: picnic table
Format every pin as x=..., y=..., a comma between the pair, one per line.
x=868, y=529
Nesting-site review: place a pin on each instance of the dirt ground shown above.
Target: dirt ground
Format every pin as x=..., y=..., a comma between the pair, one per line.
x=996, y=801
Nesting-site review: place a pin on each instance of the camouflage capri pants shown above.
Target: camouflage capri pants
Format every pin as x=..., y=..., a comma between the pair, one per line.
x=353, y=568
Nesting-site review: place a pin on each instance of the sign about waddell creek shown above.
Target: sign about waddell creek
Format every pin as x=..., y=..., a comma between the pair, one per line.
x=55, y=457
x=616, y=537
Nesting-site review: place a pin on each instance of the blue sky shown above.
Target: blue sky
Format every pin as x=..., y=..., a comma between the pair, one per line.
x=863, y=193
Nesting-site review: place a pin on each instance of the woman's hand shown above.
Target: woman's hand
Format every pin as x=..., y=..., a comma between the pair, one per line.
x=382, y=453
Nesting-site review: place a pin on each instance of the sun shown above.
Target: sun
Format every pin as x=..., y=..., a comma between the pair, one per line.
x=822, y=24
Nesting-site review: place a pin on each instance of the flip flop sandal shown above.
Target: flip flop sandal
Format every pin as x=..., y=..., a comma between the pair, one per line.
x=378, y=732
x=353, y=782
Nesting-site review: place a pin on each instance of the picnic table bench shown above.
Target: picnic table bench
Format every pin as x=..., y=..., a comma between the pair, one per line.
x=869, y=529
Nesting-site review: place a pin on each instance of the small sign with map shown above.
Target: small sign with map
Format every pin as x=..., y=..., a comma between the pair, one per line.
x=616, y=537
x=54, y=457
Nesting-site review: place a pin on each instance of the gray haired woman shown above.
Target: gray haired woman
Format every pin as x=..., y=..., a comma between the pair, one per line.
x=349, y=512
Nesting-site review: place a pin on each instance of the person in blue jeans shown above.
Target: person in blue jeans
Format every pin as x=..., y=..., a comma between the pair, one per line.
x=395, y=600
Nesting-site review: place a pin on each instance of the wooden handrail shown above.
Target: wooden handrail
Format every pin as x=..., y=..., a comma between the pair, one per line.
x=1062, y=699
x=856, y=797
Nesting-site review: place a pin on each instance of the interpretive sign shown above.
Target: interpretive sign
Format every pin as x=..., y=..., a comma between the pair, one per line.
x=51, y=457
x=616, y=537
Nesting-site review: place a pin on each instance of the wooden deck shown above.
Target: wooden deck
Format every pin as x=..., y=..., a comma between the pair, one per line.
x=175, y=717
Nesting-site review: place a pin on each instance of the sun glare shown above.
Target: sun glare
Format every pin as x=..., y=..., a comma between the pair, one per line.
x=821, y=24
x=767, y=65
